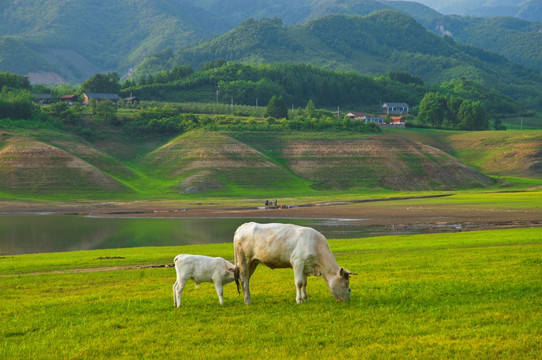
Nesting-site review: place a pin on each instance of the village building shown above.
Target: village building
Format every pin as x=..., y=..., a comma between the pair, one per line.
x=395, y=108
x=41, y=99
x=131, y=100
x=395, y=121
x=366, y=118
x=99, y=97
x=70, y=99
x=385, y=120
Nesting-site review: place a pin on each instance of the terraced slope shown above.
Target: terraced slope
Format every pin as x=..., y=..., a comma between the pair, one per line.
x=372, y=161
x=501, y=153
x=34, y=167
x=201, y=161
x=243, y=163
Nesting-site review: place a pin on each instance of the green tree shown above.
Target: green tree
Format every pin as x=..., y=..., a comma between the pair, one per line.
x=452, y=109
x=310, y=109
x=106, y=111
x=15, y=104
x=102, y=83
x=14, y=81
x=472, y=116
x=432, y=109
x=276, y=108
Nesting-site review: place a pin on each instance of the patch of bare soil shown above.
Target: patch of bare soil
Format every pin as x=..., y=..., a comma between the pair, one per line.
x=384, y=212
x=391, y=163
x=28, y=165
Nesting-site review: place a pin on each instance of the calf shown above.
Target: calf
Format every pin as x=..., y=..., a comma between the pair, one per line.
x=201, y=269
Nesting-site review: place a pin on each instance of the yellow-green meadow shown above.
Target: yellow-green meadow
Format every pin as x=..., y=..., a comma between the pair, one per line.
x=474, y=295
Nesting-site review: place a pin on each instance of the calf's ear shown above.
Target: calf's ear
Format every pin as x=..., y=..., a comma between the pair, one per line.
x=230, y=270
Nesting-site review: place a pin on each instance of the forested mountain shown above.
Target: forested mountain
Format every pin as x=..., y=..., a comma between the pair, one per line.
x=516, y=39
x=372, y=44
x=523, y=9
x=72, y=40
x=68, y=41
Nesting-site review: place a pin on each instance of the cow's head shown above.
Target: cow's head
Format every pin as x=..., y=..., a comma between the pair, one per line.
x=340, y=285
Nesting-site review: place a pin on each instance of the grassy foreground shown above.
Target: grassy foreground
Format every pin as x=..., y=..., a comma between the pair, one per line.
x=471, y=295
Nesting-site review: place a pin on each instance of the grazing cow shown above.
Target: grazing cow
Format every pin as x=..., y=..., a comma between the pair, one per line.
x=288, y=246
x=201, y=269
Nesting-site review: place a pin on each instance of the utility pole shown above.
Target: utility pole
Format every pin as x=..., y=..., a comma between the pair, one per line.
x=216, y=94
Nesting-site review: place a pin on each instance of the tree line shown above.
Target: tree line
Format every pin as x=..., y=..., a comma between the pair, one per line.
x=451, y=112
x=450, y=106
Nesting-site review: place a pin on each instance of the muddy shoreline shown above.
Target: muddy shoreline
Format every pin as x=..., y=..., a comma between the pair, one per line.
x=395, y=214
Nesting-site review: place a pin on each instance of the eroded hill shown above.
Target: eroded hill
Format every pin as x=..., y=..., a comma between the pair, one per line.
x=29, y=166
x=237, y=163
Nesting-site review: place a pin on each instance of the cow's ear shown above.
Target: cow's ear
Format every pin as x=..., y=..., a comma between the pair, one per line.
x=345, y=273
x=230, y=270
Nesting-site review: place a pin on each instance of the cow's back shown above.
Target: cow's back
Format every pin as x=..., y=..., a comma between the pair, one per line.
x=275, y=244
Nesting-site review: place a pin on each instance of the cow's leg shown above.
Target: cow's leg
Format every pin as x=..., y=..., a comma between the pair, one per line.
x=219, y=292
x=304, y=288
x=245, y=280
x=245, y=272
x=300, y=283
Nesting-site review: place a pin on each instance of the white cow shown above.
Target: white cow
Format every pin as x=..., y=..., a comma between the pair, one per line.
x=201, y=269
x=288, y=246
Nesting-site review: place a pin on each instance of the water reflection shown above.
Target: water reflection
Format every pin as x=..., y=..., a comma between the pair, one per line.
x=23, y=234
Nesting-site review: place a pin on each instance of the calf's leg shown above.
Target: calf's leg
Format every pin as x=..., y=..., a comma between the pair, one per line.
x=178, y=290
x=219, y=292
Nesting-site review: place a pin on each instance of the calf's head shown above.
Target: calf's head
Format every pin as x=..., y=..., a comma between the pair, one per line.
x=340, y=285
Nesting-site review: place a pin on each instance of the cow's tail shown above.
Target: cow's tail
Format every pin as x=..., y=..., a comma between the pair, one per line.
x=236, y=268
x=236, y=277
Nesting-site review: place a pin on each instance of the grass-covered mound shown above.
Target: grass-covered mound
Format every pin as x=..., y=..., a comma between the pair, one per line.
x=201, y=161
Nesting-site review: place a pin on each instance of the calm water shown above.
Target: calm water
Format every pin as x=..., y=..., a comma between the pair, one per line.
x=24, y=234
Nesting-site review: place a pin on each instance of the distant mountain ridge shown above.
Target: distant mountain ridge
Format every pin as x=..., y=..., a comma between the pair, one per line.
x=359, y=43
x=58, y=41
x=530, y=10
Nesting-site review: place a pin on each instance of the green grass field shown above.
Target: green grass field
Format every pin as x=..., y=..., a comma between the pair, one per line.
x=475, y=295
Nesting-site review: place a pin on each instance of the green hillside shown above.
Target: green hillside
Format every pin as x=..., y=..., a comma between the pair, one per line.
x=58, y=41
x=53, y=164
x=78, y=38
x=518, y=40
x=523, y=9
x=359, y=43
x=200, y=161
